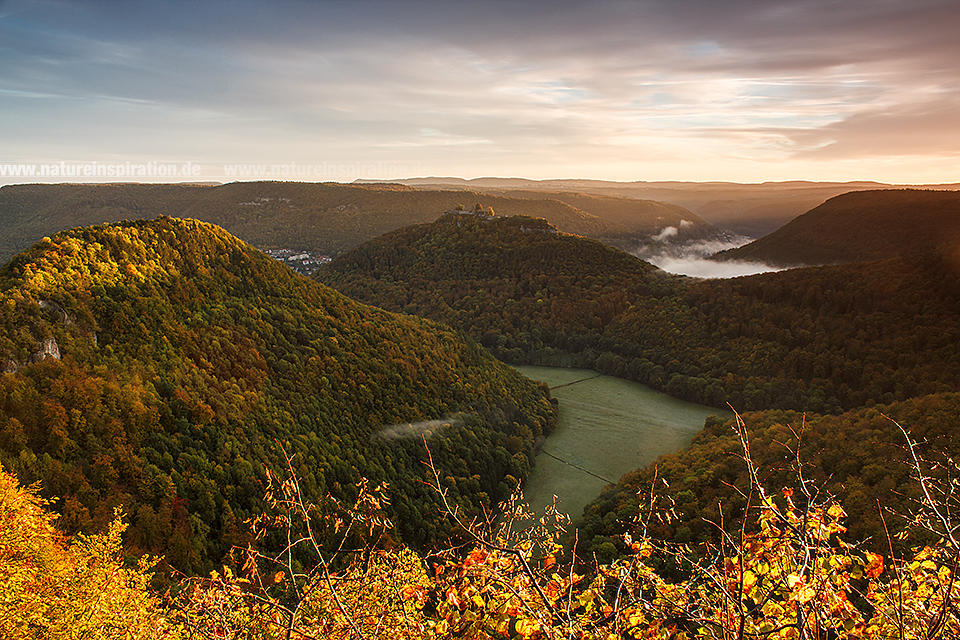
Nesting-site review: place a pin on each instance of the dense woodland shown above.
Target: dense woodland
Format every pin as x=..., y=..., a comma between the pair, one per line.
x=785, y=570
x=823, y=339
x=883, y=335
x=165, y=367
x=861, y=457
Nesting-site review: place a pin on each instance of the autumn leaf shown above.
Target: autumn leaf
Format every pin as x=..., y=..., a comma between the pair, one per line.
x=874, y=565
x=804, y=595
x=452, y=598
x=552, y=590
x=526, y=627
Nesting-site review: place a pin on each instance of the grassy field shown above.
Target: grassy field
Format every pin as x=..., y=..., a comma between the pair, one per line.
x=607, y=426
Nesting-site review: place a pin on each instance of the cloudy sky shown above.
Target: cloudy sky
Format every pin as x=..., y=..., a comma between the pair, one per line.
x=740, y=90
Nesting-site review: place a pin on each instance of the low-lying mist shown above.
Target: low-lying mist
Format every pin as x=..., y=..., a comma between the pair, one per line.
x=416, y=430
x=693, y=258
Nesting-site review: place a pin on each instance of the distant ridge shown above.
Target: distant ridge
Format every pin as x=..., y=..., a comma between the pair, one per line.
x=636, y=217
x=325, y=218
x=860, y=226
x=749, y=209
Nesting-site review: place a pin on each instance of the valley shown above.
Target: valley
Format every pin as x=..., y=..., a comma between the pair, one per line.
x=606, y=427
x=320, y=218
x=169, y=371
x=449, y=320
x=813, y=354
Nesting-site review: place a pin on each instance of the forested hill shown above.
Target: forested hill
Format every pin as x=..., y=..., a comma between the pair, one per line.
x=860, y=226
x=325, y=218
x=822, y=339
x=159, y=365
x=525, y=290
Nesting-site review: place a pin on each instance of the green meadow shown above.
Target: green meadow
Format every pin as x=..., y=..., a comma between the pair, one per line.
x=607, y=426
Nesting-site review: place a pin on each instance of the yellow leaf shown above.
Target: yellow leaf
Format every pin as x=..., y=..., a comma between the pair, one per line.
x=804, y=595
x=634, y=617
x=526, y=627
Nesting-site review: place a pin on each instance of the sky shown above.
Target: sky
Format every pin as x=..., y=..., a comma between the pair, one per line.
x=697, y=90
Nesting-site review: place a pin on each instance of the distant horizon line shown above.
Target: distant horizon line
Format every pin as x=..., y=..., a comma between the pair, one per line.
x=441, y=180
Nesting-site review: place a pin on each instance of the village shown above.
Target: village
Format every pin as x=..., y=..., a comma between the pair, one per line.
x=300, y=261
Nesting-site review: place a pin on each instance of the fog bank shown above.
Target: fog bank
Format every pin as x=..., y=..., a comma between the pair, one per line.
x=693, y=259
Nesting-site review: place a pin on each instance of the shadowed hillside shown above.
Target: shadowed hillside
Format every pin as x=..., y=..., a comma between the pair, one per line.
x=860, y=226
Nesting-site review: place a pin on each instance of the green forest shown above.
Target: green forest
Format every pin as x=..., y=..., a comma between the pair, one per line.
x=861, y=457
x=815, y=356
x=167, y=368
x=825, y=339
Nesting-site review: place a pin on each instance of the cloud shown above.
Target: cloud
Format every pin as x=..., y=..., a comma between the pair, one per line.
x=923, y=129
x=530, y=88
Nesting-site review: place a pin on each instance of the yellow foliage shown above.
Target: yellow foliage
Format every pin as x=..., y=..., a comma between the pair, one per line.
x=51, y=588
